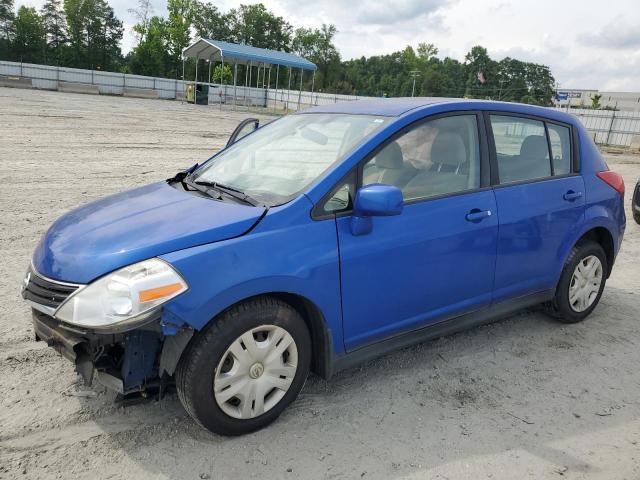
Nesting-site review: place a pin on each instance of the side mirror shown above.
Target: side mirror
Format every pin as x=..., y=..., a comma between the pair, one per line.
x=243, y=129
x=375, y=200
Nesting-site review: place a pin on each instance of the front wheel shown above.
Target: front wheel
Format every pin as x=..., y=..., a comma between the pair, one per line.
x=581, y=283
x=241, y=372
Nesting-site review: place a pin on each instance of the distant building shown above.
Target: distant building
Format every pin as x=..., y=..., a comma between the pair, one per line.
x=577, y=98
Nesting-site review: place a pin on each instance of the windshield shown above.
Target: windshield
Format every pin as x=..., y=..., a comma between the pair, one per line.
x=279, y=160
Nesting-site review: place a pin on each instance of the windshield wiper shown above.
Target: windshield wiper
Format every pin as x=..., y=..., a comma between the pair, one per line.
x=200, y=188
x=231, y=191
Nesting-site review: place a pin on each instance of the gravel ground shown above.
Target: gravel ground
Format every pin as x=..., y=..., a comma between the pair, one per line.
x=523, y=398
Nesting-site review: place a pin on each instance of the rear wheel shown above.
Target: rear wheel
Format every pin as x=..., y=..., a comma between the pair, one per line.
x=581, y=283
x=241, y=372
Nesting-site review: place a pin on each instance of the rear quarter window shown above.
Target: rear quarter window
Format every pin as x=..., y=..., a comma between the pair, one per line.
x=560, y=140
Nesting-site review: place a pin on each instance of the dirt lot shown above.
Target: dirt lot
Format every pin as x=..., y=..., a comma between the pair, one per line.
x=523, y=398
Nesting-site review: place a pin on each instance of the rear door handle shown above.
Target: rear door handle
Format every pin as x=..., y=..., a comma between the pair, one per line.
x=476, y=215
x=571, y=195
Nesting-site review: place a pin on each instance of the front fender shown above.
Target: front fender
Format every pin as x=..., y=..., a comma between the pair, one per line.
x=301, y=259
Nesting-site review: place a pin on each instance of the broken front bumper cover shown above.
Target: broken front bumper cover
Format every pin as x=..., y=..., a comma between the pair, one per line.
x=126, y=362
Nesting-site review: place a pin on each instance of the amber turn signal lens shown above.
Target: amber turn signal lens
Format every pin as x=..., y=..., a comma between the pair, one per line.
x=159, y=292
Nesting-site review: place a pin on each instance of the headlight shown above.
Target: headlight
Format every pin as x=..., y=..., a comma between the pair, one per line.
x=128, y=294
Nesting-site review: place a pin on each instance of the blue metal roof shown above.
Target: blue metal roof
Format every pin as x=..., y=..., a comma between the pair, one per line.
x=237, y=53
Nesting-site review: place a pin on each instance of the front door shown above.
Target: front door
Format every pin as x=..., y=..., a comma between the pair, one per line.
x=437, y=258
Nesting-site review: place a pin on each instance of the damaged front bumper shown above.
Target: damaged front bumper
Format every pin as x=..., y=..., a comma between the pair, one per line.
x=128, y=362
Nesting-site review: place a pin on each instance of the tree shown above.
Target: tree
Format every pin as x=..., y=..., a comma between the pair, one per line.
x=151, y=56
x=179, y=23
x=255, y=25
x=427, y=52
x=94, y=34
x=595, y=101
x=109, y=40
x=7, y=18
x=222, y=73
x=30, y=41
x=209, y=22
x=480, y=73
x=55, y=26
x=317, y=46
x=143, y=14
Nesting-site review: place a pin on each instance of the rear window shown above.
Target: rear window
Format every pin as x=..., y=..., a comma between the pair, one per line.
x=521, y=148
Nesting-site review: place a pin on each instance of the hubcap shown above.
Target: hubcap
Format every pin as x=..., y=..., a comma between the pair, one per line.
x=255, y=372
x=585, y=283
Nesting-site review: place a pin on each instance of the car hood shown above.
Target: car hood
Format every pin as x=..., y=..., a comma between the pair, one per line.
x=128, y=227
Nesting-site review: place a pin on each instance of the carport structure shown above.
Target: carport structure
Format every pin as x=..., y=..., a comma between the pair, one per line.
x=236, y=54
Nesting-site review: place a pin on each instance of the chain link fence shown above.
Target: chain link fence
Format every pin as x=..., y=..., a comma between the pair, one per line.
x=610, y=127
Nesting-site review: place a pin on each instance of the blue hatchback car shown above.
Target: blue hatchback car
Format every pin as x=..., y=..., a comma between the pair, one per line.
x=324, y=239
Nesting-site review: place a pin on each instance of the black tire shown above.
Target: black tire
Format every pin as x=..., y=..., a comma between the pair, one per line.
x=197, y=367
x=560, y=307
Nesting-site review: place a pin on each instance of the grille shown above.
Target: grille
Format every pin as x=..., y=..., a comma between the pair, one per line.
x=43, y=291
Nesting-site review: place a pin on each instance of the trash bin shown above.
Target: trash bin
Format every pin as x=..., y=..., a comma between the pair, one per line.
x=201, y=94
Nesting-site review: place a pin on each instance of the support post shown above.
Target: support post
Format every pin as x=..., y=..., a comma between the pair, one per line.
x=275, y=97
x=195, y=84
x=235, y=84
x=221, y=79
x=184, y=94
x=266, y=104
x=249, y=86
x=210, y=62
x=313, y=82
x=246, y=80
x=288, y=91
x=300, y=90
x=613, y=119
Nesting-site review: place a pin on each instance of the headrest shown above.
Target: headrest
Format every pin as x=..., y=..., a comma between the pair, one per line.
x=390, y=157
x=448, y=149
x=534, y=146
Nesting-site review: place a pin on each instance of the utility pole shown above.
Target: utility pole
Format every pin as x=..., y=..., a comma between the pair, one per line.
x=414, y=74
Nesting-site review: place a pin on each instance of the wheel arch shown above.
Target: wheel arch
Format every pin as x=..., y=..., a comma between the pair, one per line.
x=321, y=340
x=321, y=343
x=603, y=237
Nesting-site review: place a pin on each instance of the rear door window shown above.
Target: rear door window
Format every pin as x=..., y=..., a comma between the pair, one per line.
x=560, y=140
x=522, y=149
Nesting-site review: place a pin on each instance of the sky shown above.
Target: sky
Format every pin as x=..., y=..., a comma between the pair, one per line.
x=588, y=44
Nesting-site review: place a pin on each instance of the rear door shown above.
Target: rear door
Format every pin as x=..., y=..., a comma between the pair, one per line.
x=540, y=199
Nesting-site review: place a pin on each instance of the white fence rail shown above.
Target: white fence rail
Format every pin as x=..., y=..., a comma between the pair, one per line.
x=609, y=127
x=46, y=77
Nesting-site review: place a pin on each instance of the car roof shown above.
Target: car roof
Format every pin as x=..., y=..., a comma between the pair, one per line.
x=397, y=107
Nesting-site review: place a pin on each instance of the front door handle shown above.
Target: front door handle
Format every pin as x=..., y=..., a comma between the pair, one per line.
x=476, y=215
x=570, y=196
